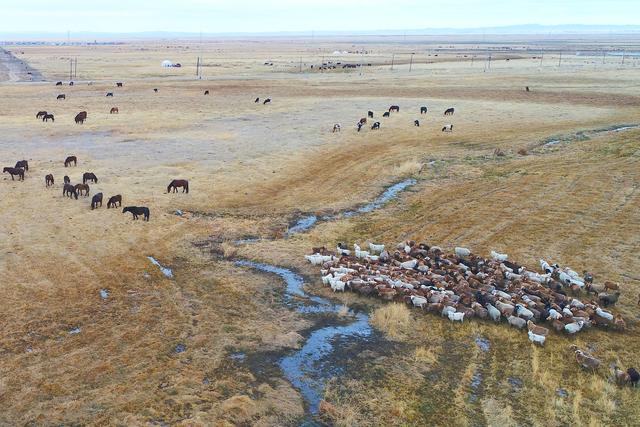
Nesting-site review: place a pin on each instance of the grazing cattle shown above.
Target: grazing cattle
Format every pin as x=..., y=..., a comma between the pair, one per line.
x=447, y=128
x=66, y=179
x=114, y=201
x=416, y=123
x=81, y=117
x=385, y=114
x=206, y=92
x=22, y=164
x=375, y=126
x=69, y=160
x=82, y=187
x=95, y=200
x=257, y=100
x=69, y=190
x=423, y=110
x=48, y=180
x=46, y=118
x=449, y=111
x=266, y=101
x=59, y=84
x=137, y=210
x=114, y=110
x=119, y=84
x=109, y=93
x=14, y=171
x=41, y=114
x=370, y=114
x=173, y=185
x=336, y=128
x=394, y=108
x=155, y=89
x=61, y=96
x=89, y=176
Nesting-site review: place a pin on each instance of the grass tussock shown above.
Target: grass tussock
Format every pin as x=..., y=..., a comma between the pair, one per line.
x=392, y=319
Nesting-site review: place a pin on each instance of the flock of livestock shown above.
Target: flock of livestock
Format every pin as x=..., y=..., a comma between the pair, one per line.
x=462, y=285
x=395, y=109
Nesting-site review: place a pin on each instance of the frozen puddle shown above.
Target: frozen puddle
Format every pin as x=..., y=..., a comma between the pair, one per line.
x=310, y=367
x=308, y=222
x=165, y=270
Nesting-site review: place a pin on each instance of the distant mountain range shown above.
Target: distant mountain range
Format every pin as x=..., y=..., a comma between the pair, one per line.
x=531, y=29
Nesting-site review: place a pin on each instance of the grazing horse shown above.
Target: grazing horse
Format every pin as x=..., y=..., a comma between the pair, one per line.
x=416, y=123
x=15, y=171
x=375, y=126
x=178, y=183
x=114, y=110
x=82, y=187
x=69, y=160
x=257, y=100
x=385, y=114
x=81, y=117
x=41, y=114
x=449, y=111
x=48, y=180
x=66, y=179
x=155, y=89
x=526, y=88
x=118, y=84
x=69, y=190
x=363, y=120
x=137, y=210
x=46, y=118
x=22, y=164
x=447, y=128
x=423, y=110
x=336, y=128
x=266, y=101
x=394, y=108
x=89, y=176
x=114, y=201
x=206, y=92
x=359, y=126
x=370, y=114
x=70, y=83
x=61, y=96
x=95, y=200
x=59, y=84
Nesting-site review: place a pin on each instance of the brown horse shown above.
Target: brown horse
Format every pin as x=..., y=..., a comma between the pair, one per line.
x=22, y=164
x=48, y=180
x=69, y=190
x=114, y=110
x=95, y=200
x=81, y=117
x=89, y=176
x=69, y=160
x=137, y=210
x=15, y=171
x=82, y=187
x=178, y=183
x=114, y=201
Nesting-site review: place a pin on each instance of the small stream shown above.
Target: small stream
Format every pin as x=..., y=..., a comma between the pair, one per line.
x=310, y=367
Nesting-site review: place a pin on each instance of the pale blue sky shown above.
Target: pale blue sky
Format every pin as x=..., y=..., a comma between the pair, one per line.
x=303, y=15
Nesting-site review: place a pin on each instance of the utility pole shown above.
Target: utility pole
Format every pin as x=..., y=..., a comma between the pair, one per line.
x=411, y=62
x=301, y=64
x=541, y=58
x=604, y=55
x=560, y=60
x=75, y=72
x=622, y=59
x=70, y=69
x=393, y=55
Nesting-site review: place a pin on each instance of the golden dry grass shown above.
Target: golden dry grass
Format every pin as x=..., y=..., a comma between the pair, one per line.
x=252, y=169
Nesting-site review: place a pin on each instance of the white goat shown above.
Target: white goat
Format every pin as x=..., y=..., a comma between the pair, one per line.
x=361, y=254
x=523, y=312
x=494, y=313
x=448, y=309
x=537, y=339
x=456, y=316
x=342, y=251
x=498, y=256
x=409, y=265
x=462, y=252
x=418, y=301
x=316, y=259
x=517, y=322
x=604, y=314
x=546, y=267
x=376, y=248
x=337, y=285
x=574, y=327
x=554, y=314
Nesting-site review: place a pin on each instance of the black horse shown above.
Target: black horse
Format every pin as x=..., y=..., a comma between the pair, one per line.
x=375, y=126
x=89, y=176
x=370, y=114
x=46, y=118
x=66, y=180
x=81, y=117
x=41, y=114
x=257, y=100
x=385, y=114
x=394, y=108
x=449, y=111
x=119, y=84
x=416, y=123
x=69, y=190
x=266, y=101
x=15, y=171
x=137, y=210
x=109, y=93
x=22, y=164
x=59, y=84
x=61, y=96
x=69, y=160
x=423, y=110
x=97, y=198
x=206, y=92
x=114, y=201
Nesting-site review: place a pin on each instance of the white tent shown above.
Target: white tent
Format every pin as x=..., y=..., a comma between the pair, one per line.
x=166, y=63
